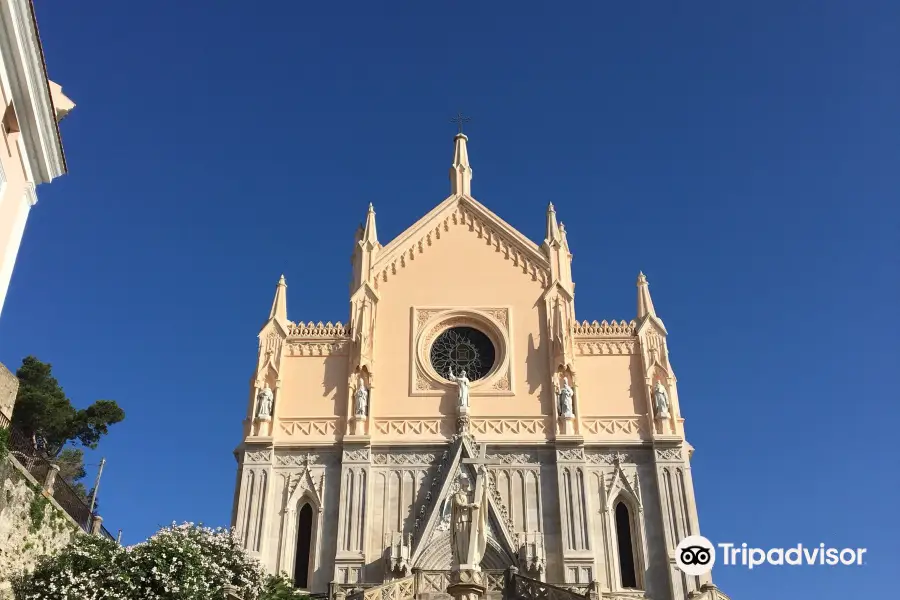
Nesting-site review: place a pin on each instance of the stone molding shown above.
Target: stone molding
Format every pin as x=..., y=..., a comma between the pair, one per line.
x=294, y=348
x=526, y=426
x=318, y=330
x=298, y=459
x=524, y=457
x=430, y=428
x=515, y=248
x=31, y=92
x=610, y=457
x=356, y=455
x=419, y=459
x=616, y=428
x=604, y=329
x=570, y=455
x=593, y=348
x=309, y=427
x=428, y=322
x=672, y=454
x=258, y=456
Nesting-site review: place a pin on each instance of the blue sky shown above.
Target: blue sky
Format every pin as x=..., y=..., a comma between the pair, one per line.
x=745, y=157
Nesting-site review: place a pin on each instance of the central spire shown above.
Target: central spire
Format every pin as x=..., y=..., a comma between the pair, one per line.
x=461, y=170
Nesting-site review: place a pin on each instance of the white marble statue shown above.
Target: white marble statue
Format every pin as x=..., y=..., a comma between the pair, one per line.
x=466, y=516
x=463, y=382
x=265, y=398
x=661, y=401
x=361, y=405
x=564, y=396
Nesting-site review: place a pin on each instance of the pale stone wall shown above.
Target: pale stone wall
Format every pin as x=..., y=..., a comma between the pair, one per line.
x=9, y=386
x=31, y=525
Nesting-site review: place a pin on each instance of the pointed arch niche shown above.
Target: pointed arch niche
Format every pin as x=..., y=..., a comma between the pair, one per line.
x=301, y=524
x=623, y=530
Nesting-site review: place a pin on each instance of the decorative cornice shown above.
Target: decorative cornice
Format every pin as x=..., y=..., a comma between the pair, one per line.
x=297, y=459
x=616, y=427
x=356, y=455
x=318, y=330
x=595, y=347
x=669, y=454
x=258, y=456
x=31, y=90
x=514, y=247
x=525, y=457
x=320, y=348
x=405, y=458
x=605, y=329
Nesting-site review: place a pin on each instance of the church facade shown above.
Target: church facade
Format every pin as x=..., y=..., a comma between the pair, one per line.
x=563, y=438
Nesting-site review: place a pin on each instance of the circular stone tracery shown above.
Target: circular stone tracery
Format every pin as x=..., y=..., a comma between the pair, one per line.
x=463, y=349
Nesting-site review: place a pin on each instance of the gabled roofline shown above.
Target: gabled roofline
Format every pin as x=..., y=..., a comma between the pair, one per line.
x=399, y=244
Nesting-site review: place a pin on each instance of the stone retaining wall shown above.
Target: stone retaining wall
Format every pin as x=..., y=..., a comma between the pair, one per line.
x=32, y=524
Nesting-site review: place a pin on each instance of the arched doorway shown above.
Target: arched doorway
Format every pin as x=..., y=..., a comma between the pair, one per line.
x=304, y=542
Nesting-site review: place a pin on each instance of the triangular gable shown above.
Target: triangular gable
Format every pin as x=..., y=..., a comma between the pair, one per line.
x=496, y=522
x=414, y=235
x=651, y=321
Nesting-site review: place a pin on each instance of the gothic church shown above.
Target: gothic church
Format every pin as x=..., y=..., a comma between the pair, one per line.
x=358, y=435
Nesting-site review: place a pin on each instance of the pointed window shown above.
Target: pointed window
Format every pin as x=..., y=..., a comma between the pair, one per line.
x=304, y=539
x=626, y=546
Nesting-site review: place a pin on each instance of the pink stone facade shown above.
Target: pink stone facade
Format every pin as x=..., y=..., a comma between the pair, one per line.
x=351, y=431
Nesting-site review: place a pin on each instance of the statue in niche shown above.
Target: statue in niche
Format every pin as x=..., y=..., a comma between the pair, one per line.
x=661, y=401
x=361, y=404
x=264, y=399
x=468, y=518
x=463, y=382
x=564, y=397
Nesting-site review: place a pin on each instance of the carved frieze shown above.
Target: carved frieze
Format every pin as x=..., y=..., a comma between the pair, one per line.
x=611, y=457
x=317, y=348
x=515, y=458
x=673, y=454
x=404, y=458
x=605, y=329
x=258, y=456
x=587, y=348
x=616, y=427
x=300, y=427
x=318, y=330
x=503, y=426
x=297, y=459
x=570, y=454
x=414, y=427
x=356, y=455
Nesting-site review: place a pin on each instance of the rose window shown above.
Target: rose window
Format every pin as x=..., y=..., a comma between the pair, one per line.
x=463, y=349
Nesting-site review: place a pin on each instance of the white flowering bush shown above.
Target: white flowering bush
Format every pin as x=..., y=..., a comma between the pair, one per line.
x=181, y=562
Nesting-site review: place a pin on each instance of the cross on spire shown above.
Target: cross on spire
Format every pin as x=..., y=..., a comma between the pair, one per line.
x=459, y=119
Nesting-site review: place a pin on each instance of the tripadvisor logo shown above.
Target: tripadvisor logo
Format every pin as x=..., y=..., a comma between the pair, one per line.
x=696, y=555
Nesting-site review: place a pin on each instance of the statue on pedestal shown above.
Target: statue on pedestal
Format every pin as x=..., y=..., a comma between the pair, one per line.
x=361, y=404
x=564, y=396
x=463, y=382
x=264, y=399
x=661, y=401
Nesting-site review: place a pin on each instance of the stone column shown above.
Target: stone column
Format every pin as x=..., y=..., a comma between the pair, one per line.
x=50, y=479
x=466, y=584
